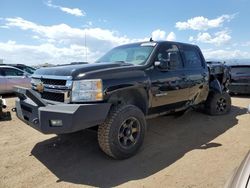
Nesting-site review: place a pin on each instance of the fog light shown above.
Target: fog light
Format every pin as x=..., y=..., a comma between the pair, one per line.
x=55, y=123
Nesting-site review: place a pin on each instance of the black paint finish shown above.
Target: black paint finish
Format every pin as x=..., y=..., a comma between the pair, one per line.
x=172, y=86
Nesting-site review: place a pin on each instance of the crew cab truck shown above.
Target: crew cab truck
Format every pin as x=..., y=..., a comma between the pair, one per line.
x=119, y=91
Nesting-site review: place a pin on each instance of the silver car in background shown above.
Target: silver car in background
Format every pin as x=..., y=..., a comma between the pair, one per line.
x=10, y=77
x=241, y=176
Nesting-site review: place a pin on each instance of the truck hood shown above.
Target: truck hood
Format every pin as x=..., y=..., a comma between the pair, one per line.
x=74, y=70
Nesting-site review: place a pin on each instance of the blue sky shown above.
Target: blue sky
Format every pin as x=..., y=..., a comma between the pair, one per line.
x=53, y=31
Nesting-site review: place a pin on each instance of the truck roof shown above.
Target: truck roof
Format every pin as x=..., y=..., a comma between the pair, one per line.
x=161, y=42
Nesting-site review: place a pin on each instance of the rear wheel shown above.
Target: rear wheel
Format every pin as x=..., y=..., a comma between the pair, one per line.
x=218, y=103
x=122, y=134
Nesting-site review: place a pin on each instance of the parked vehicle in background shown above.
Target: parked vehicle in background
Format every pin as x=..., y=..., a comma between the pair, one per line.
x=241, y=176
x=240, y=78
x=117, y=93
x=10, y=77
x=215, y=62
x=25, y=68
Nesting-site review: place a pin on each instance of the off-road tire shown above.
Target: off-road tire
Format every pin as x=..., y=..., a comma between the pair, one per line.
x=109, y=132
x=218, y=103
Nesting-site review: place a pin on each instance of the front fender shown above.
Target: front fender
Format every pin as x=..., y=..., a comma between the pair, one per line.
x=215, y=86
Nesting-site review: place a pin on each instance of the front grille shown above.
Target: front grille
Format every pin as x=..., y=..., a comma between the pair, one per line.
x=53, y=82
x=59, y=97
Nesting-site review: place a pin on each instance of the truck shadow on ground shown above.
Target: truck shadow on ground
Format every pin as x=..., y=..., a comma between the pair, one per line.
x=76, y=158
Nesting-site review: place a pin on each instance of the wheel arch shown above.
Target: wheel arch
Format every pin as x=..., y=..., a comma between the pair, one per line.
x=215, y=86
x=134, y=96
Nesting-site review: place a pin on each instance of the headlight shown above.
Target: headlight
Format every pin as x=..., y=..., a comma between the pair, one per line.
x=35, y=81
x=87, y=90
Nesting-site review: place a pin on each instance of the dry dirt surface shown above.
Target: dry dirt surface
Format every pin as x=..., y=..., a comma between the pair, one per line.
x=193, y=150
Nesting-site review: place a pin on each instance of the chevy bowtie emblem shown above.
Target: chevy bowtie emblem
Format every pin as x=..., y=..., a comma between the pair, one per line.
x=40, y=87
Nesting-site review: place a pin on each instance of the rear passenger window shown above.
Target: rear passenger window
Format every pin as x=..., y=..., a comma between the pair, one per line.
x=192, y=58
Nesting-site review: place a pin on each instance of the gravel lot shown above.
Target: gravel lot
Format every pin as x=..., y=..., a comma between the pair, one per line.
x=193, y=150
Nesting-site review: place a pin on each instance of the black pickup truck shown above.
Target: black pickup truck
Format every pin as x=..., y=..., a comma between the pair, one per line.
x=119, y=91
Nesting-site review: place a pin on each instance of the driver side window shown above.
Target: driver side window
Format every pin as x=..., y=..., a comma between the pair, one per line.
x=164, y=52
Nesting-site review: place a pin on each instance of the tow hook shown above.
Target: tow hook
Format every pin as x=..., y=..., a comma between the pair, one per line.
x=35, y=121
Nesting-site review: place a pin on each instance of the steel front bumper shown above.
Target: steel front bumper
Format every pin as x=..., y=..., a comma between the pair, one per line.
x=34, y=111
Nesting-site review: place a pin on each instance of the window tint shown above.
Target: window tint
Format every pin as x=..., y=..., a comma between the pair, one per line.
x=192, y=57
x=29, y=70
x=12, y=72
x=136, y=54
x=119, y=56
x=164, y=54
x=1, y=72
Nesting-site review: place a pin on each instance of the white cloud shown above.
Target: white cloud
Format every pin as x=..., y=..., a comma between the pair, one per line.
x=201, y=23
x=246, y=44
x=219, y=38
x=191, y=39
x=64, y=34
x=72, y=11
x=44, y=53
x=4, y=27
x=88, y=24
x=162, y=35
x=158, y=35
x=225, y=54
x=171, y=36
x=60, y=43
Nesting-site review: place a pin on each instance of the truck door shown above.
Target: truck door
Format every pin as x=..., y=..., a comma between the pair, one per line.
x=168, y=85
x=196, y=72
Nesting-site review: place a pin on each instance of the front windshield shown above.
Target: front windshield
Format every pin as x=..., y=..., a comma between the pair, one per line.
x=136, y=54
x=29, y=70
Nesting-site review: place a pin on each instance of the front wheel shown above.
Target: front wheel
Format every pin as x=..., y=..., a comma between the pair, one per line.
x=122, y=134
x=218, y=103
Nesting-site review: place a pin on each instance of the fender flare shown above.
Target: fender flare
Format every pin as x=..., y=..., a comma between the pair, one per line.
x=138, y=98
x=215, y=86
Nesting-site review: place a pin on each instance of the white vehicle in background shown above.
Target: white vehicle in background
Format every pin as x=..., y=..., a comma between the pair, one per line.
x=10, y=77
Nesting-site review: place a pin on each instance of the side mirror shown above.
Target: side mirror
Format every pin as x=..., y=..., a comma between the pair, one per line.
x=164, y=65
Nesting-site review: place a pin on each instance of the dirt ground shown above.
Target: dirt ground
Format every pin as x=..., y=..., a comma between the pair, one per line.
x=193, y=150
